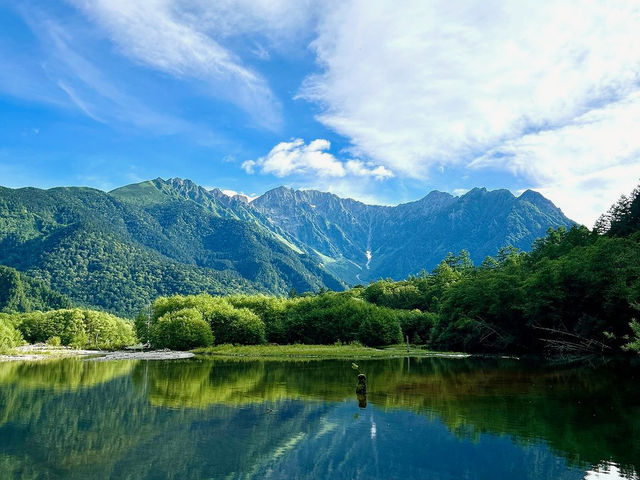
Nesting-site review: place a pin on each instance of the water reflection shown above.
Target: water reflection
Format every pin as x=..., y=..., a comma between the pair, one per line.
x=435, y=418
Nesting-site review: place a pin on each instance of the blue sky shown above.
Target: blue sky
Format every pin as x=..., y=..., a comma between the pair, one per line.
x=364, y=99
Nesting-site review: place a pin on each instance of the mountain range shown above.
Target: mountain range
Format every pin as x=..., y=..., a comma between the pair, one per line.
x=119, y=250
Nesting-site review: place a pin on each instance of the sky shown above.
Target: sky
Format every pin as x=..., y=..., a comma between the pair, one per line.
x=375, y=100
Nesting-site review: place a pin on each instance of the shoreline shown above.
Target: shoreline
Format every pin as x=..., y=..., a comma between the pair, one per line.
x=41, y=352
x=310, y=352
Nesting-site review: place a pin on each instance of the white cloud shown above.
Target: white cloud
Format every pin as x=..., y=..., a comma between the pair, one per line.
x=432, y=84
x=67, y=74
x=178, y=38
x=297, y=158
x=597, y=154
x=232, y=193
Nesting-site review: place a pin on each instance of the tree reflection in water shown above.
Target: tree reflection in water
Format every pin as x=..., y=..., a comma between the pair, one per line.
x=478, y=418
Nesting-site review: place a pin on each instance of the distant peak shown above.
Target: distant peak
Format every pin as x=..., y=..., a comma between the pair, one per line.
x=282, y=188
x=531, y=194
x=183, y=182
x=278, y=192
x=437, y=194
x=536, y=198
x=482, y=191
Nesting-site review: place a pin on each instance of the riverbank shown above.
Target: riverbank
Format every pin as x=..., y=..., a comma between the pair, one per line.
x=321, y=351
x=41, y=351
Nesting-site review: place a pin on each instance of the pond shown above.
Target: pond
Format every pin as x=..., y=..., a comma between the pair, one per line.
x=436, y=418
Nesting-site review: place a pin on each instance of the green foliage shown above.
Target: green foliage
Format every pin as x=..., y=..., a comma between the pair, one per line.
x=20, y=293
x=575, y=291
x=318, y=319
x=381, y=328
x=459, y=263
x=390, y=294
x=78, y=328
x=623, y=218
x=228, y=324
x=236, y=325
x=142, y=325
x=107, y=331
x=246, y=328
x=10, y=337
x=54, y=341
x=181, y=330
x=634, y=345
x=271, y=310
x=416, y=324
x=331, y=317
x=121, y=251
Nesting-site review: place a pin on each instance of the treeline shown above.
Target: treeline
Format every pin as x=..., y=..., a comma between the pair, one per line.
x=576, y=292
x=76, y=328
x=112, y=253
x=327, y=318
x=21, y=293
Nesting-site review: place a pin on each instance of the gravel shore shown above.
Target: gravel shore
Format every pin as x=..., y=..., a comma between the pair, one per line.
x=47, y=352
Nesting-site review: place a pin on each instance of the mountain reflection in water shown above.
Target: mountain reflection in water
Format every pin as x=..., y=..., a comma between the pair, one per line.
x=425, y=418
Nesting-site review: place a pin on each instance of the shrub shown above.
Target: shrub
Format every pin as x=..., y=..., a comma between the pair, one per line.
x=272, y=311
x=416, y=324
x=54, y=341
x=326, y=318
x=105, y=331
x=380, y=328
x=9, y=337
x=234, y=325
x=228, y=324
x=245, y=327
x=181, y=330
x=66, y=324
x=400, y=295
x=77, y=328
x=35, y=327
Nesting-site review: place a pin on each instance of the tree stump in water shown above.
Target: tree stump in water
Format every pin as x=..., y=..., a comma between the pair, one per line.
x=361, y=388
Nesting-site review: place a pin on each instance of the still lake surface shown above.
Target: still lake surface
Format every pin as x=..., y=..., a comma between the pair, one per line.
x=431, y=418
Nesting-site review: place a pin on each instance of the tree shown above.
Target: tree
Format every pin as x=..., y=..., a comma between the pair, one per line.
x=181, y=330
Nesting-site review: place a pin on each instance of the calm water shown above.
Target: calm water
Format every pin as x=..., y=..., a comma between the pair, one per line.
x=424, y=419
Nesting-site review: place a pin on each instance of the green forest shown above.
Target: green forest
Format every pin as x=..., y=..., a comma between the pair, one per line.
x=576, y=293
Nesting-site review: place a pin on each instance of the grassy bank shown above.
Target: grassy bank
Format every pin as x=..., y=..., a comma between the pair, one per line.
x=318, y=351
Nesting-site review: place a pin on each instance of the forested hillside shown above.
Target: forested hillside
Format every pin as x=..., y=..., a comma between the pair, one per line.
x=120, y=250
x=577, y=293
x=20, y=293
x=103, y=252
x=358, y=242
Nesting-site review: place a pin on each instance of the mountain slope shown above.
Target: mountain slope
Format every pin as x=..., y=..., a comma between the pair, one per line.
x=362, y=242
x=119, y=250
x=103, y=251
x=198, y=228
x=21, y=293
